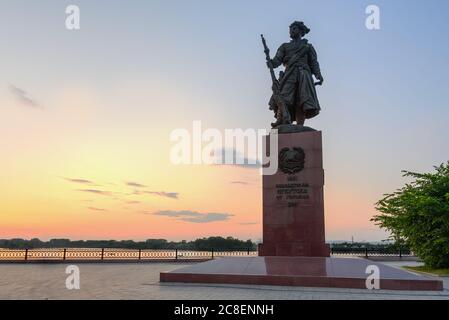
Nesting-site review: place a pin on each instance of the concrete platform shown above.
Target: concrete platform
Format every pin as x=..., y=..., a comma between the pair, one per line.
x=300, y=271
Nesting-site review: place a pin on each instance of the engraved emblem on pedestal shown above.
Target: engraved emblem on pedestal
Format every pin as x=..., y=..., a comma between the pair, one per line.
x=292, y=160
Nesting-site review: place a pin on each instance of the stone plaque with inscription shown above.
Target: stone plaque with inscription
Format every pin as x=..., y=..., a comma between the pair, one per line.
x=293, y=206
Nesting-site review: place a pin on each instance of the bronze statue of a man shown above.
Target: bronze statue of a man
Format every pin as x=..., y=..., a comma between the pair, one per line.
x=296, y=86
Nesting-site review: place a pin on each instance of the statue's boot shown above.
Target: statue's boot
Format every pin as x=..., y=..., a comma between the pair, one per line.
x=277, y=123
x=279, y=119
x=286, y=119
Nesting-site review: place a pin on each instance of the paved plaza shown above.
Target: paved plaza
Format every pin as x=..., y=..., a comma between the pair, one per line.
x=141, y=281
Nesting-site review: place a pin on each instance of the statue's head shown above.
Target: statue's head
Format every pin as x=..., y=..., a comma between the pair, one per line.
x=298, y=30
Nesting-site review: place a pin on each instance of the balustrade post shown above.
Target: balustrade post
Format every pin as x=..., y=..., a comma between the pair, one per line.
x=26, y=254
x=64, y=255
x=102, y=253
x=140, y=254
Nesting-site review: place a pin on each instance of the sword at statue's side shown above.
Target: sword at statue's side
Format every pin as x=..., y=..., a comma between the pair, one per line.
x=286, y=119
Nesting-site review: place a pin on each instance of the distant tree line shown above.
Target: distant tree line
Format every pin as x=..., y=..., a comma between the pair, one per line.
x=216, y=243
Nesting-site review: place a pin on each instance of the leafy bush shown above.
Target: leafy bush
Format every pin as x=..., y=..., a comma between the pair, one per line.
x=418, y=215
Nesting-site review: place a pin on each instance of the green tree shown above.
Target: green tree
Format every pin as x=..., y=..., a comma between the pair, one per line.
x=418, y=215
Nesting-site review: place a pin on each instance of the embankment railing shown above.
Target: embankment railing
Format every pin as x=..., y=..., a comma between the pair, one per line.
x=105, y=254
x=110, y=255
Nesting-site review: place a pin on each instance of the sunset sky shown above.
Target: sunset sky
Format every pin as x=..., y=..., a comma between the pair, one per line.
x=85, y=116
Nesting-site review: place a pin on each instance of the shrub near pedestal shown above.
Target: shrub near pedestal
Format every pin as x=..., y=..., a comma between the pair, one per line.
x=418, y=215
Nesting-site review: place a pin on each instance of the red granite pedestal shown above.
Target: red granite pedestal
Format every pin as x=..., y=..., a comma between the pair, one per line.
x=294, y=252
x=293, y=201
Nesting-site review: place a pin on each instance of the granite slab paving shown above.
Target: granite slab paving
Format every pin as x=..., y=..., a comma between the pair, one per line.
x=301, y=272
x=141, y=281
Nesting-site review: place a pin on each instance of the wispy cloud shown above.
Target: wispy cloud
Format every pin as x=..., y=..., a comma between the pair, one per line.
x=135, y=184
x=95, y=191
x=240, y=182
x=96, y=209
x=171, y=195
x=132, y=202
x=81, y=181
x=194, y=216
x=23, y=97
x=248, y=223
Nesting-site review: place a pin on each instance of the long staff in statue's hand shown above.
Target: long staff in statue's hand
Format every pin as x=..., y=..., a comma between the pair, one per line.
x=286, y=119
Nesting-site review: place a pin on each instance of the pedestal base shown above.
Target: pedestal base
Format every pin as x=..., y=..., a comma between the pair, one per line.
x=300, y=271
x=293, y=249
